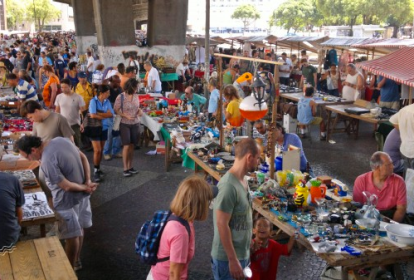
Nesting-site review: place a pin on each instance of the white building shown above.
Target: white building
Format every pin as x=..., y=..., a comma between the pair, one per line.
x=221, y=11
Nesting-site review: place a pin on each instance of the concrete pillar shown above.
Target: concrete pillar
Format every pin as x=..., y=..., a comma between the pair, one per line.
x=167, y=22
x=84, y=24
x=114, y=22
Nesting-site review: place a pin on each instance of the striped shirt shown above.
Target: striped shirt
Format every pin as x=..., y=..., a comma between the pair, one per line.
x=25, y=91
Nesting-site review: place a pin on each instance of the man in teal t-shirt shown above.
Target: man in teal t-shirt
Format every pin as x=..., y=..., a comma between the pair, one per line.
x=233, y=218
x=194, y=99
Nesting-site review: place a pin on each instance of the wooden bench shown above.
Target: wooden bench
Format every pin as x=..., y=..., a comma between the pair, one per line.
x=41, y=259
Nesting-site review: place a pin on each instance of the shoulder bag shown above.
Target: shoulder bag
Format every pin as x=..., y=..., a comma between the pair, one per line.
x=117, y=121
x=92, y=127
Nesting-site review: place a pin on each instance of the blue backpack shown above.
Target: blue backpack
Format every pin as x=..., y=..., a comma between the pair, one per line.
x=148, y=239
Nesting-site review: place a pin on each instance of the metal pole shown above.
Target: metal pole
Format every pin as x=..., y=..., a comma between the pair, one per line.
x=219, y=118
x=207, y=48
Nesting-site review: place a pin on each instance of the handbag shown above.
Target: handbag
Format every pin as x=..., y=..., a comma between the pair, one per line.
x=92, y=127
x=117, y=121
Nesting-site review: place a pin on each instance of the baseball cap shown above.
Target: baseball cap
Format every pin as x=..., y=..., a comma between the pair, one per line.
x=81, y=74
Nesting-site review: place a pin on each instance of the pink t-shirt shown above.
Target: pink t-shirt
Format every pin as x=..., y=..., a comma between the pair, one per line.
x=393, y=193
x=175, y=243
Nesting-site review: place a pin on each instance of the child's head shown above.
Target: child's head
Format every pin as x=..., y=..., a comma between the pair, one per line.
x=262, y=228
x=212, y=84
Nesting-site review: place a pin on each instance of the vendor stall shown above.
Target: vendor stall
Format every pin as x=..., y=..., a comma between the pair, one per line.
x=319, y=211
x=396, y=66
x=298, y=43
x=383, y=46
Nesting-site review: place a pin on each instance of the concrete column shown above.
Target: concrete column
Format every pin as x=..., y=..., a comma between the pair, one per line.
x=167, y=22
x=84, y=24
x=114, y=22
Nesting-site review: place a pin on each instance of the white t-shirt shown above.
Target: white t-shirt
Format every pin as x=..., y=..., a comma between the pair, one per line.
x=69, y=107
x=135, y=63
x=350, y=93
x=404, y=119
x=154, y=76
x=286, y=67
x=96, y=63
x=181, y=69
x=97, y=77
x=90, y=62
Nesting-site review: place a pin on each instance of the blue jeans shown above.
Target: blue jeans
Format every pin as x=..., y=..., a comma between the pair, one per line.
x=89, y=77
x=221, y=269
x=112, y=144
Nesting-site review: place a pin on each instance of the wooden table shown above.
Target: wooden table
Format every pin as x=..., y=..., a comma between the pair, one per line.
x=24, y=164
x=42, y=259
x=388, y=256
x=204, y=166
x=298, y=95
x=351, y=120
x=41, y=221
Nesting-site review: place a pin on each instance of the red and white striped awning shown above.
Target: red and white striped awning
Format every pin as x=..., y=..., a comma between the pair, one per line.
x=397, y=66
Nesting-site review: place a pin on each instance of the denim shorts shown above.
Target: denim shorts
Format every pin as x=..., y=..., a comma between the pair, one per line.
x=221, y=269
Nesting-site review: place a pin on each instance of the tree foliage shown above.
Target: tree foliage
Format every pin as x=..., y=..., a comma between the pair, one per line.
x=351, y=12
x=45, y=12
x=15, y=13
x=246, y=13
x=297, y=15
x=39, y=11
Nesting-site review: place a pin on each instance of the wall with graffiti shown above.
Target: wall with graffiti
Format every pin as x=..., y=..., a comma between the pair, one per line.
x=111, y=56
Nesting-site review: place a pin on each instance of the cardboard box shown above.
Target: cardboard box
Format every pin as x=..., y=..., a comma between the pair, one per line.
x=289, y=124
x=291, y=160
x=160, y=147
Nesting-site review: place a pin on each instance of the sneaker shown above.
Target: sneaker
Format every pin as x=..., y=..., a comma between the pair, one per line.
x=133, y=171
x=107, y=157
x=78, y=266
x=100, y=173
x=323, y=138
x=96, y=177
x=118, y=155
x=127, y=173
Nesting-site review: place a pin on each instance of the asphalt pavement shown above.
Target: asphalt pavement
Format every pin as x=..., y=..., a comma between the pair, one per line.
x=121, y=205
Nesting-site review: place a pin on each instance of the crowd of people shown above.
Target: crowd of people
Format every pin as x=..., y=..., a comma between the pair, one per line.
x=61, y=97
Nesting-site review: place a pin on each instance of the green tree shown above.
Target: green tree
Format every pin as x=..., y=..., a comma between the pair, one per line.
x=296, y=15
x=352, y=12
x=41, y=12
x=400, y=12
x=15, y=13
x=247, y=14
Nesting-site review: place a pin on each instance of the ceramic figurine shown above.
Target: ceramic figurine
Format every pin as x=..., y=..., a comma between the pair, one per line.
x=301, y=194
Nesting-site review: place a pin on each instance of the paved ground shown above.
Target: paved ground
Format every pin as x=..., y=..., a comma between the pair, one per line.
x=121, y=205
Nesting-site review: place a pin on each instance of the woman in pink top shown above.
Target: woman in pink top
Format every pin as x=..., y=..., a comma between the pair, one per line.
x=190, y=203
x=127, y=106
